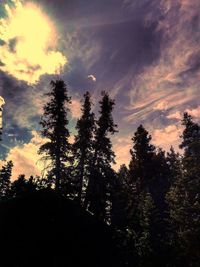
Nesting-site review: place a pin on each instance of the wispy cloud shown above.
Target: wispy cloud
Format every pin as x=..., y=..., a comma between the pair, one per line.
x=172, y=80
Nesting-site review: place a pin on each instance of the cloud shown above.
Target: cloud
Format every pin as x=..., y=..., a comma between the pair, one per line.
x=28, y=43
x=167, y=137
x=195, y=113
x=176, y=115
x=171, y=82
x=2, y=101
x=163, y=105
x=25, y=157
x=75, y=108
x=152, y=69
x=121, y=147
x=91, y=78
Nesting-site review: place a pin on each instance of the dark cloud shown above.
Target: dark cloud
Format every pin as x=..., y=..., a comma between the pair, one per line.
x=2, y=42
x=12, y=45
x=76, y=76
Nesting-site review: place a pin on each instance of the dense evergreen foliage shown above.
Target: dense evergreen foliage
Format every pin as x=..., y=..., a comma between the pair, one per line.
x=83, y=146
x=101, y=173
x=152, y=206
x=54, y=122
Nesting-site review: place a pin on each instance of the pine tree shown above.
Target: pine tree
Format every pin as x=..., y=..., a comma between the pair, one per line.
x=120, y=193
x=23, y=186
x=141, y=169
x=5, y=179
x=83, y=145
x=160, y=183
x=148, y=171
x=184, y=197
x=143, y=229
x=18, y=186
x=174, y=163
x=101, y=172
x=54, y=122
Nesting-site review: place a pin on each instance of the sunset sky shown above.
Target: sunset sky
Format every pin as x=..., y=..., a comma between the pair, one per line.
x=145, y=53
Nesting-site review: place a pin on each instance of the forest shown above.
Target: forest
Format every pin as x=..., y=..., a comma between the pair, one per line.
x=151, y=207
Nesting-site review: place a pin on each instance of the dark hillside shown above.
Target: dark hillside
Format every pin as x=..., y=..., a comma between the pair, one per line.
x=43, y=229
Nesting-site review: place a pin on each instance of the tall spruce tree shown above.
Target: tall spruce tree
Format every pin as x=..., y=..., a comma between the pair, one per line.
x=160, y=183
x=5, y=179
x=54, y=122
x=83, y=145
x=184, y=197
x=148, y=168
x=101, y=171
x=141, y=169
x=174, y=162
x=120, y=194
x=143, y=230
x=141, y=203
x=148, y=172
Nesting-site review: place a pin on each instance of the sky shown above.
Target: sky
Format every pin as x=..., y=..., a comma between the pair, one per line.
x=145, y=53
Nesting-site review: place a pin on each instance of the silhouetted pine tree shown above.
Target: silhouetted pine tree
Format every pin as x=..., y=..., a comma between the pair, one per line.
x=23, y=186
x=143, y=230
x=175, y=172
x=5, y=179
x=184, y=197
x=83, y=145
x=54, y=122
x=145, y=221
x=101, y=173
x=149, y=169
x=174, y=163
x=120, y=194
x=141, y=169
x=160, y=183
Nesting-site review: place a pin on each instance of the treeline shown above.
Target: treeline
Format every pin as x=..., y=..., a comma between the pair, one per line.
x=153, y=205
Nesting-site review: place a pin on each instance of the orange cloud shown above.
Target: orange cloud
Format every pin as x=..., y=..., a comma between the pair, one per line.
x=121, y=147
x=176, y=115
x=167, y=137
x=25, y=158
x=75, y=108
x=194, y=112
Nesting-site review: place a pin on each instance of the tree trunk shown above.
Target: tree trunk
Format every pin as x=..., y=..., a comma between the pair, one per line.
x=82, y=161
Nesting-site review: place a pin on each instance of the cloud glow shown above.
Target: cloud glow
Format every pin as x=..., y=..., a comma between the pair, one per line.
x=28, y=47
x=25, y=157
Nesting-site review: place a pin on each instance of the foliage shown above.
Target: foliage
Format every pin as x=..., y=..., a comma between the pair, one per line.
x=101, y=173
x=152, y=206
x=5, y=179
x=54, y=123
x=83, y=145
